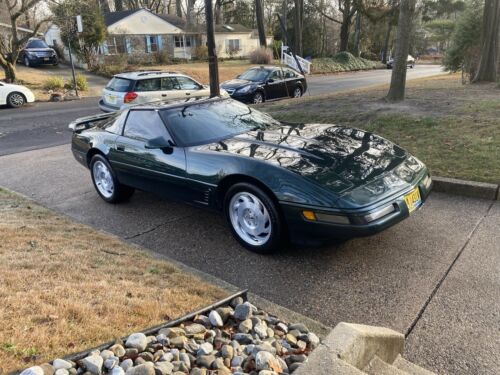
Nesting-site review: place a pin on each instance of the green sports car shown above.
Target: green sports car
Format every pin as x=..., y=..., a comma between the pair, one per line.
x=274, y=181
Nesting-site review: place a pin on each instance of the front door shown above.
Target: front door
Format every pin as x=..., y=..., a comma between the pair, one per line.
x=275, y=86
x=160, y=171
x=148, y=90
x=192, y=88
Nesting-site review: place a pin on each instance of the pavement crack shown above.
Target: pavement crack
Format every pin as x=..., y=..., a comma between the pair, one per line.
x=152, y=229
x=448, y=270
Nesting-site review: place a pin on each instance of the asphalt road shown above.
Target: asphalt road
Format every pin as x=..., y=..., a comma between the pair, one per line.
x=45, y=124
x=433, y=276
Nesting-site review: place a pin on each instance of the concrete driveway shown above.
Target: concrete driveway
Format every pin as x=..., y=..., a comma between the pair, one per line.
x=434, y=276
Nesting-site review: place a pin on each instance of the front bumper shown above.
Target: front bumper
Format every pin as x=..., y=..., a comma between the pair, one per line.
x=245, y=98
x=301, y=229
x=49, y=60
x=106, y=107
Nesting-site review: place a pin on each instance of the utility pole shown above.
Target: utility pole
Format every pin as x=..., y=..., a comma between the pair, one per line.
x=213, y=69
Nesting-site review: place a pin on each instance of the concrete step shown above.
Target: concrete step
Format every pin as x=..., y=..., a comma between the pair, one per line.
x=410, y=367
x=378, y=367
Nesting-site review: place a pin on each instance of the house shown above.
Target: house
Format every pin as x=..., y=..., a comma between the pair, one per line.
x=143, y=36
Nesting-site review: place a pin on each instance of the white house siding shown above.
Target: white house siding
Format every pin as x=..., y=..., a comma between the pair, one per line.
x=247, y=43
x=143, y=22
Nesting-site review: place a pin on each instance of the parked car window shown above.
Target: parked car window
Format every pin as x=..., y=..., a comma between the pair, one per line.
x=115, y=123
x=119, y=84
x=213, y=121
x=290, y=73
x=187, y=83
x=169, y=83
x=276, y=75
x=37, y=44
x=153, y=84
x=144, y=125
x=255, y=75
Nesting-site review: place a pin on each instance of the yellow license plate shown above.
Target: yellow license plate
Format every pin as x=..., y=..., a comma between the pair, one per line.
x=111, y=99
x=413, y=200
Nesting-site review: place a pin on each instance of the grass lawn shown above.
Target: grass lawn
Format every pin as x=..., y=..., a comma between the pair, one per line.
x=67, y=287
x=453, y=128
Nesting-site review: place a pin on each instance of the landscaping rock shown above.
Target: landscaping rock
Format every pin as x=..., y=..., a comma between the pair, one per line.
x=215, y=319
x=194, y=329
x=266, y=361
x=144, y=369
x=126, y=364
x=117, y=371
x=164, y=368
x=243, y=311
x=137, y=341
x=61, y=363
x=35, y=370
x=93, y=363
x=118, y=350
x=62, y=371
x=48, y=369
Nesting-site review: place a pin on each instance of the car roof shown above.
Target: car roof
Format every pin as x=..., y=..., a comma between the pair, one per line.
x=177, y=103
x=144, y=74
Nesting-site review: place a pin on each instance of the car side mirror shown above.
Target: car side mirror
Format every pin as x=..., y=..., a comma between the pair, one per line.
x=270, y=80
x=161, y=143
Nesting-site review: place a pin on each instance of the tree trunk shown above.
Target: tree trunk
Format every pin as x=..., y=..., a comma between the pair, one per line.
x=178, y=8
x=259, y=13
x=385, y=51
x=487, y=71
x=298, y=23
x=190, y=12
x=218, y=12
x=213, y=69
x=118, y=5
x=357, y=35
x=398, y=78
x=9, y=71
x=344, y=32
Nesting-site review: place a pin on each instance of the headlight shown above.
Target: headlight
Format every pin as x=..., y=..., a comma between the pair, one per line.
x=245, y=89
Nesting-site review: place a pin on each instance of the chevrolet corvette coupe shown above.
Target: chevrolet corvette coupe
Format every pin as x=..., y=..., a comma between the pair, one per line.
x=274, y=181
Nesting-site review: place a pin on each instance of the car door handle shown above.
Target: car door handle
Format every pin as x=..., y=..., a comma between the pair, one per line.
x=163, y=95
x=188, y=93
x=120, y=148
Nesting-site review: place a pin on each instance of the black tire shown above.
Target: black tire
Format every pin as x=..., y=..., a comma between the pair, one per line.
x=120, y=192
x=15, y=100
x=26, y=61
x=297, y=90
x=277, y=238
x=258, y=97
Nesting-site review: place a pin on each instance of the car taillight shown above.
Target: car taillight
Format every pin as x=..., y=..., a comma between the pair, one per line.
x=129, y=97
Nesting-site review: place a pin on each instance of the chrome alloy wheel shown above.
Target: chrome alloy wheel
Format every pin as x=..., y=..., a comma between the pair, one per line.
x=258, y=98
x=16, y=99
x=297, y=93
x=250, y=219
x=103, y=179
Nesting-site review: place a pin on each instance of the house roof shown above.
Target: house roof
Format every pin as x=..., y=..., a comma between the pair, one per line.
x=232, y=28
x=113, y=17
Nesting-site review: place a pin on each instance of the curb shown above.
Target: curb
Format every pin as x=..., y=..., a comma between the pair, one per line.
x=465, y=188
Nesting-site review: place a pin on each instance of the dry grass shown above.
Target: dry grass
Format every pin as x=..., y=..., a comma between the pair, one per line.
x=66, y=287
x=453, y=128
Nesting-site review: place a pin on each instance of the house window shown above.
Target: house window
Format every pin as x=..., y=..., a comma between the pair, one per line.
x=116, y=45
x=151, y=43
x=179, y=41
x=232, y=45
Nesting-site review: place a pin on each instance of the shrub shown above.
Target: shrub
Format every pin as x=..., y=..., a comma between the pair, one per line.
x=162, y=57
x=200, y=53
x=261, y=56
x=368, y=55
x=53, y=83
x=81, y=83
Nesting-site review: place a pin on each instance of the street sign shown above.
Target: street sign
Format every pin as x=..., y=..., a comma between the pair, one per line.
x=79, y=25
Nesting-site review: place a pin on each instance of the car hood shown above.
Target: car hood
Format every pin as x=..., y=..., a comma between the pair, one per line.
x=236, y=83
x=39, y=49
x=337, y=158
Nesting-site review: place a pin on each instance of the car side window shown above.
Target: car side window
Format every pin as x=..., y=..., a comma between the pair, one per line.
x=187, y=83
x=145, y=125
x=169, y=83
x=115, y=125
x=289, y=74
x=153, y=84
x=276, y=75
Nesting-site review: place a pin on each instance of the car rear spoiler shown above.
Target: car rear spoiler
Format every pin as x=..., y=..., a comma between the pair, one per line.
x=83, y=123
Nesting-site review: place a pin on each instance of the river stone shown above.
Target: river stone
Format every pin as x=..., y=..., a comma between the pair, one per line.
x=137, y=341
x=47, y=368
x=202, y=319
x=172, y=332
x=245, y=326
x=93, y=364
x=184, y=357
x=62, y=371
x=178, y=341
x=298, y=358
x=237, y=361
x=105, y=354
x=243, y=338
x=243, y=311
x=218, y=364
x=264, y=347
x=227, y=351
x=163, y=368
x=225, y=313
x=126, y=364
x=117, y=370
x=144, y=369
x=291, y=339
x=313, y=340
x=118, y=350
x=111, y=362
x=299, y=327
x=195, y=329
x=266, y=361
x=205, y=349
x=61, y=363
x=236, y=301
x=205, y=360
x=282, y=327
x=261, y=329
x=267, y=372
x=198, y=371
x=147, y=356
x=294, y=366
x=35, y=370
x=215, y=319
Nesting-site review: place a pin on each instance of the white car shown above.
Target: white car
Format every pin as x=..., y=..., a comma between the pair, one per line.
x=133, y=88
x=15, y=95
x=410, y=62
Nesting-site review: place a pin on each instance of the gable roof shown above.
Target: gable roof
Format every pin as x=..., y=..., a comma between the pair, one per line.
x=113, y=17
x=232, y=28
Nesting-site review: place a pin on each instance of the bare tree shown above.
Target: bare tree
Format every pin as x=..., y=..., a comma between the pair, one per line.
x=12, y=44
x=298, y=25
x=405, y=27
x=259, y=14
x=487, y=71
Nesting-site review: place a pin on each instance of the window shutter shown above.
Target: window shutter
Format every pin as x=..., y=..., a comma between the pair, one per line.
x=148, y=44
x=128, y=45
x=159, y=42
x=105, y=48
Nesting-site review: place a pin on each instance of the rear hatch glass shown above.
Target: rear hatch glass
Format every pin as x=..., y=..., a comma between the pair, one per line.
x=119, y=84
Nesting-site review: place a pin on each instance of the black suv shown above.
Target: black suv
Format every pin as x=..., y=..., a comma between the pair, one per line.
x=259, y=84
x=37, y=52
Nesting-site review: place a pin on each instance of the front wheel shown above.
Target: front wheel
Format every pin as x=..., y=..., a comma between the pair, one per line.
x=258, y=98
x=26, y=61
x=105, y=182
x=297, y=92
x=254, y=218
x=15, y=100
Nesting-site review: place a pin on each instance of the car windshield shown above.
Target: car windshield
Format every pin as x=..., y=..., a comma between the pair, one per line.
x=255, y=75
x=213, y=120
x=118, y=84
x=37, y=44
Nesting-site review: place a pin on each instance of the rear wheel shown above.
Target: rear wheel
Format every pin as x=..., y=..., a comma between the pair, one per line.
x=297, y=92
x=26, y=61
x=15, y=100
x=258, y=98
x=254, y=218
x=105, y=182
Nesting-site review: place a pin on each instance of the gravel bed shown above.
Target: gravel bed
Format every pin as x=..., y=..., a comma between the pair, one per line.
x=234, y=339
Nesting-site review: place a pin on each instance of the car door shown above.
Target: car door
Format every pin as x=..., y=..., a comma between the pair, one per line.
x=148, y=90
x=171, y=89
x=275, y=86
x=160, y=171
x=290, y=78
x=3, y=93
x=192, y=88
